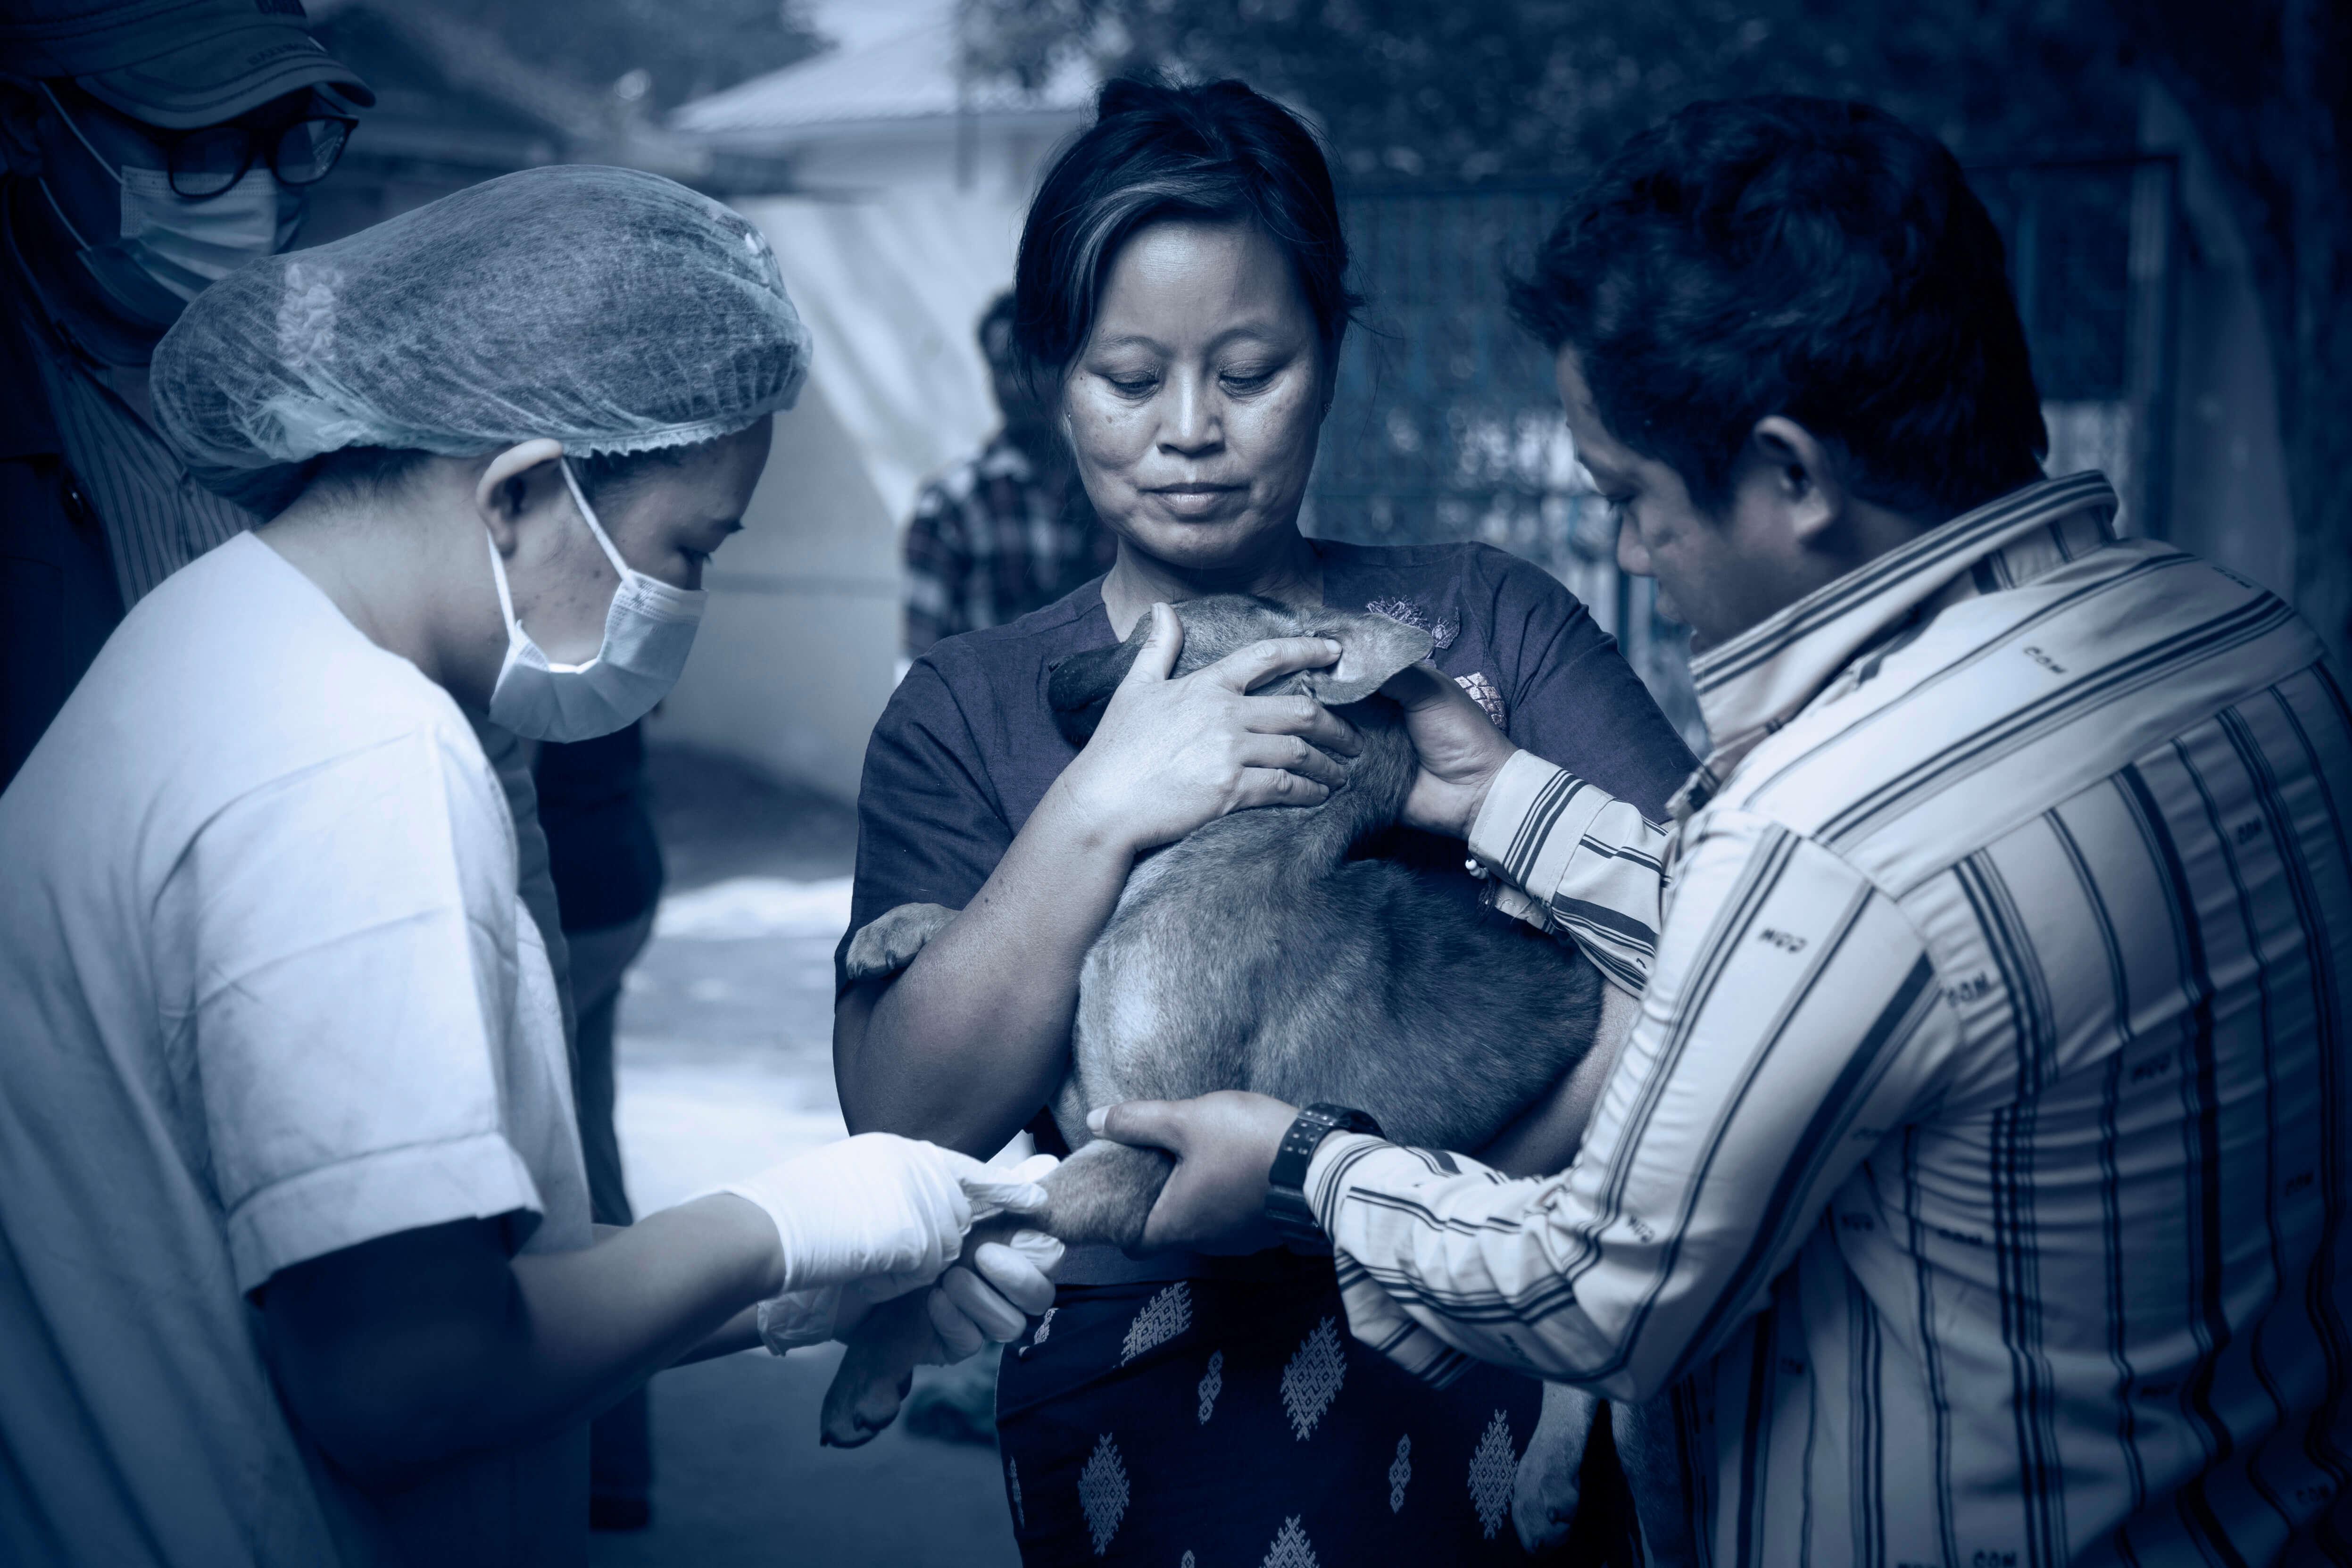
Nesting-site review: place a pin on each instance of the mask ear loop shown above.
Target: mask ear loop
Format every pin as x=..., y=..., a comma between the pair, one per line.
x=498, y=576
x=588, y=515
x=52, y=198
x=112, y=172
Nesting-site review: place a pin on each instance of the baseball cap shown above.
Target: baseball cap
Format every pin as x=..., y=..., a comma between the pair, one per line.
x=177, y=63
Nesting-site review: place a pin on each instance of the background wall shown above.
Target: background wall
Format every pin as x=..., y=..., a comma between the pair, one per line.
x=795, y=656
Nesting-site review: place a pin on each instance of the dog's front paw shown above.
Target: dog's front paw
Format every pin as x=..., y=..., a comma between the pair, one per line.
x=890, y=942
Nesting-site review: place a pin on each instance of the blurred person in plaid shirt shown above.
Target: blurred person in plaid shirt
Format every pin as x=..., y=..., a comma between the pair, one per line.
x=1004, y=532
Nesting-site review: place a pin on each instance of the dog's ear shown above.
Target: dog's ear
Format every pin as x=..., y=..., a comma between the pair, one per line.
x=1372, y=649
x=1080, y=686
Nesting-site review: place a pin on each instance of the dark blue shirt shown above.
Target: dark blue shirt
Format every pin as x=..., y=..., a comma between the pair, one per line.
x=601, y=848
x=967, y=746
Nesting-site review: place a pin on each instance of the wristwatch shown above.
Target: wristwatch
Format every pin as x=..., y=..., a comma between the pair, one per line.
x=1286, y=1209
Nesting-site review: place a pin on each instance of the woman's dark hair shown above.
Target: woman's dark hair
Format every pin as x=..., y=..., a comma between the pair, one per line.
x=1218, y=153
x=1804, y=257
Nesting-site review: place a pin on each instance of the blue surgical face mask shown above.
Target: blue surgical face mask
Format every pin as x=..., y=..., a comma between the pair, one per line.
x=171, y=249
x=648, y=632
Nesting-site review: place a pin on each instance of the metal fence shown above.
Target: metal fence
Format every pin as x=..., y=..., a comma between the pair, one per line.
x=1446, y=426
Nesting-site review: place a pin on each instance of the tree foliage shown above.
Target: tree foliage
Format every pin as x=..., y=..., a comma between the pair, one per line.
x=2269, y=85
x=1477, y=89
x=1492, y=90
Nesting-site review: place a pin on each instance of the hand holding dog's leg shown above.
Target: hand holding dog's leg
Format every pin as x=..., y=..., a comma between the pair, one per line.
x=1224, y=1145
x=1002, y=1280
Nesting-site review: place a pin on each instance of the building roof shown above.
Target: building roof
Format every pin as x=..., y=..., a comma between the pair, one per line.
x=913, y=74
x=455, y=93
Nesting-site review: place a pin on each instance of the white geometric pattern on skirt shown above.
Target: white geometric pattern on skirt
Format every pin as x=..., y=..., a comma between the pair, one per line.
x=1102, y=1493
x=1492, y=1470
x=1163, y=1317
x=1312, y=1379
x=1400, y=1472
x=1212, y=1382
x=1045, y=1327
x=1187, y=1562
x=1012, y=1480
x=1290, y=1548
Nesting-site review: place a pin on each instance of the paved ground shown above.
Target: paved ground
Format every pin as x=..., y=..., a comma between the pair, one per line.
x=726, y=1064
x=742, y=1481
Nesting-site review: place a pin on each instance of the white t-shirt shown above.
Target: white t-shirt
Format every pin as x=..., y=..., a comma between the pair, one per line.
x=266, y=992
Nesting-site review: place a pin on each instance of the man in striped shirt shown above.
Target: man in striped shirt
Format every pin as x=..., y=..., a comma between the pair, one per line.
x=1972, y=1187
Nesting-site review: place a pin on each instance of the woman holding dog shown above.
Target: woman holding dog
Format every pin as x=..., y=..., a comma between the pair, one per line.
x=1181, y=299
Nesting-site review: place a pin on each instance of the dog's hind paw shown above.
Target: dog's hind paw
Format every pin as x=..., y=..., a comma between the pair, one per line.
x=875, y=1371
x=890, y=942
x=855, y=1414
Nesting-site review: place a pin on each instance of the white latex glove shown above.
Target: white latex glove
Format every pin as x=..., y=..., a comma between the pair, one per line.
x=991, y=1300
x=805, y=1318
x=990, y=1297
x=883, y=1211
x=967, y=1310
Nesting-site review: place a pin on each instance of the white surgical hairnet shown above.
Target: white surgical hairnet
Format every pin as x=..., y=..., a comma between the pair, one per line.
x=610, y=310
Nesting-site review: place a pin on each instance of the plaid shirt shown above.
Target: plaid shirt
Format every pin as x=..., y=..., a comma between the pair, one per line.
x=992, y=540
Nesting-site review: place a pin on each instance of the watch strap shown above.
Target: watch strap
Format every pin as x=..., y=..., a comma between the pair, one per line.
x=1286, y=1209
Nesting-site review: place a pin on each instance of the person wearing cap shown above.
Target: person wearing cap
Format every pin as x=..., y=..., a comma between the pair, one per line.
x=299, y=1266
x=152, y=147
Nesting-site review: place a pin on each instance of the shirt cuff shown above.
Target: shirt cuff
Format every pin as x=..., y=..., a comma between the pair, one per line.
x=1327, y=1173
x=1509, y=801
x=382, y=1194
x=1533, y=817
x=1374, y=1316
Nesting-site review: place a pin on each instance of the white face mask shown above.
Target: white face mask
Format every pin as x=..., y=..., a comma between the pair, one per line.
x=648, y=632
x=171, y=249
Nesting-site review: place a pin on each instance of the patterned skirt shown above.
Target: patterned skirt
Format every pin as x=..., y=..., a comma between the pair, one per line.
x=1235, y=1423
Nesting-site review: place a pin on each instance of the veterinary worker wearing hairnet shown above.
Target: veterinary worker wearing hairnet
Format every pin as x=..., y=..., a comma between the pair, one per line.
x=297, y=1266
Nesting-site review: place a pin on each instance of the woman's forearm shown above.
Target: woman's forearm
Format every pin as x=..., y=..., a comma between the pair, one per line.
x=605, y=1319
x=1544, y=1137
x=400, y=1353
x=740, y=1332
x=965, y=1044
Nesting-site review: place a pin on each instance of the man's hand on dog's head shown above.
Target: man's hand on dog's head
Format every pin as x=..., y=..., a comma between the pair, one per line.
x=1460, y=750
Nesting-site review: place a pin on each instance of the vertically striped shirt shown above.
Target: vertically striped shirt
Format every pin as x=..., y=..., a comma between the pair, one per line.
x=1974, y=1181
x=157, y=517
